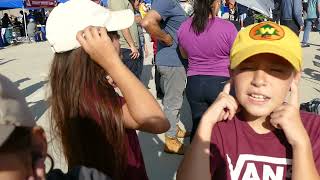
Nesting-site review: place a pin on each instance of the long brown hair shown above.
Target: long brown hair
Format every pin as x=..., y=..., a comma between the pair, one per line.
x=86, y=113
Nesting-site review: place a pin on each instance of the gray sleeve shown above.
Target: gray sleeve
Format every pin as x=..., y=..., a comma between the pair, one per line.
x=297, y=10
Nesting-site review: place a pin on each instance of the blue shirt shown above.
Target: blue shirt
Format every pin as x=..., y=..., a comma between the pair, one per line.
x=312, y=9
x=172, y=16
x=291, y=10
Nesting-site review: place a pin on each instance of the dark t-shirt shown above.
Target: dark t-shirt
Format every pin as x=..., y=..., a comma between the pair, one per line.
x=242, y=9
x=5, y=22
x=238, y=152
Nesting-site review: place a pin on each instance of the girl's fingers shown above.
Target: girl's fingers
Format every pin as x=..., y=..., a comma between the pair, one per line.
x=221, y=115
x=82, y=40
x=88, y=33
x=103, y=32
x=95, y=33
x=275, y=123
x=277, y=114
x=226, y=115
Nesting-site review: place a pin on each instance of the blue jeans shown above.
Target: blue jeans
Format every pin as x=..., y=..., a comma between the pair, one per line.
x=308, y=29
x=201, y=91
x=292, y=24
x=135, y=65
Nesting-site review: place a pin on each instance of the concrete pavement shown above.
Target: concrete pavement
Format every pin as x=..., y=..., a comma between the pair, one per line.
x=28, y=65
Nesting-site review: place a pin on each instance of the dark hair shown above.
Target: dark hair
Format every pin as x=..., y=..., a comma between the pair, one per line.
x=202, y=10
x=87, y=113
x=18, y=141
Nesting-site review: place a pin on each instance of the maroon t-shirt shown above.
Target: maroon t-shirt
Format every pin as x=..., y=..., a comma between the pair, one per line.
x=238, y=152
x=135, y=165
x=135, y=169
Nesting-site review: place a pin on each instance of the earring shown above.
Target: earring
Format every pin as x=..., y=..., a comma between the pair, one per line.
x=51, y=162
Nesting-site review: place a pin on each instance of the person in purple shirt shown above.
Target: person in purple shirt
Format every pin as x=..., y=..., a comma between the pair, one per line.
x=260, y=133
x=205, y=40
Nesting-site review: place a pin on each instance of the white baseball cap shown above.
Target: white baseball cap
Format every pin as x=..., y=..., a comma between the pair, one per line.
x=14, y=110
x=68, y=18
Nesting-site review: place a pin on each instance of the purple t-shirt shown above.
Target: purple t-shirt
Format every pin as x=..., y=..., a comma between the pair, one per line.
x=238, y=152
x=208, y=52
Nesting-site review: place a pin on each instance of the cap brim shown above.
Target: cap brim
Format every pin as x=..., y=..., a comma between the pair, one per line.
x=244, y=54
x=5, y=132
x=120, y=20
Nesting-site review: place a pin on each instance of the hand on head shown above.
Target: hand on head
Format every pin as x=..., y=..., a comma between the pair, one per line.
x=96, y=42
x=287, y=118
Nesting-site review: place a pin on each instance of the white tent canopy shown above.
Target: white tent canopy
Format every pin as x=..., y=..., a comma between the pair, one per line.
x=264, y=7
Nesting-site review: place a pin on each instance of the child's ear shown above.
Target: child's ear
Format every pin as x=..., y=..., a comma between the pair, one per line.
x=39, y=141
x=297, y=77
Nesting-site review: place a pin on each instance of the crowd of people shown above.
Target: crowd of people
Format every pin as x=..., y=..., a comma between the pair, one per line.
x=30, y=24
x=242, y=88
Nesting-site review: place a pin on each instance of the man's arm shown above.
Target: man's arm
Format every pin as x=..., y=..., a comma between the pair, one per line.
x=127, y=36
x=151, y=23
x=183, y=53
x=117, y=5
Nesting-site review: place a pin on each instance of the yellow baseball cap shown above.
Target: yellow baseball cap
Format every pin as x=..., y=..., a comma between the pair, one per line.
x=266, y=37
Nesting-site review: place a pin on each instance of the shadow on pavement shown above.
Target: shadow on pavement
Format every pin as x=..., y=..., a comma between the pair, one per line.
x=2, y=63
x=314, y=44
x=33, y=88
x=159, y=165
x=317, y=90
x=146, y=75
x=38, y=108
x=17, y=83
x=313, y=74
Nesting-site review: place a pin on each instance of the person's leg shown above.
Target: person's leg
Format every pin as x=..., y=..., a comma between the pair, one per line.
x=157, y=83
x=173, y=84
x=242, y=18
x=3, y=31
x=318, y=24
x=196, y=99
x=140, y=63
x=306, y=33
x=210, y=87
x=214, y=87
x=292, y=25
x=132, y=64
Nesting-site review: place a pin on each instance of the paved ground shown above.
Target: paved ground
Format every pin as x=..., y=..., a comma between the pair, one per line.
x=28, y=64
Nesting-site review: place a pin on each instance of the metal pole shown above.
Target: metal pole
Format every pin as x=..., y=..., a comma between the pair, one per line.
x=25, y=23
